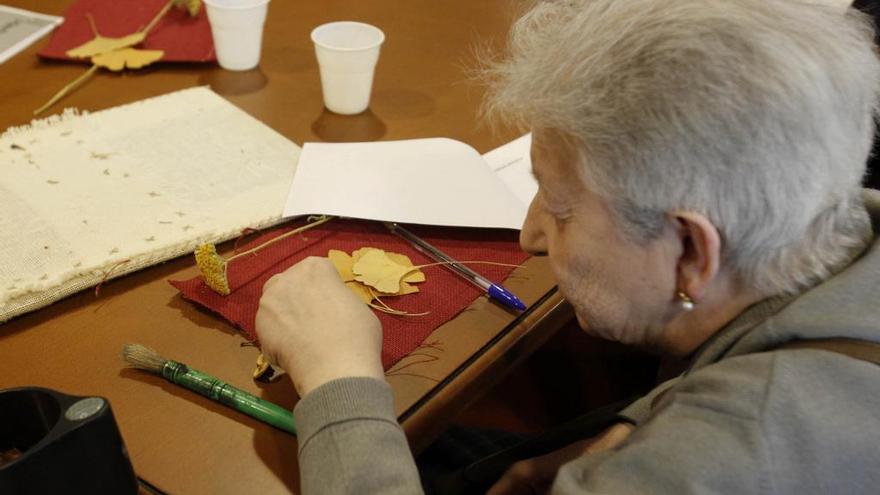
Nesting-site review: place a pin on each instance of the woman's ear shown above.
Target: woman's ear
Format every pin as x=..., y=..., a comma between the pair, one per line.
x=700, y=257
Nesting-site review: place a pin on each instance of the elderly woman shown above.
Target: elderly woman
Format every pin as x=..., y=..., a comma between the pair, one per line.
x=699, y=166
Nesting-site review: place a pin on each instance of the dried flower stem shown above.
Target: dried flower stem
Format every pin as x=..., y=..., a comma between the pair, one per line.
x=94, y=68
x=158, y=17
x=280, y=237
x=388, y=309
x=67, y=89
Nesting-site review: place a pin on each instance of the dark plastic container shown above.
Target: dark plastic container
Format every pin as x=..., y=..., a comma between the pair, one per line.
x=63, y=444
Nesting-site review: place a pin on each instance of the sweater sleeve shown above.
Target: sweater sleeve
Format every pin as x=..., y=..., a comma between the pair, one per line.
x=350, y=441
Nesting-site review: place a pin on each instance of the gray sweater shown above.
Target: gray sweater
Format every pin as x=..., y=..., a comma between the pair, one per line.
x=740, y=420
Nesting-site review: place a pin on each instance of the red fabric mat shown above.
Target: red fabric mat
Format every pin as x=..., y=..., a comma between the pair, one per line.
x=444, y=294
x=184, y=38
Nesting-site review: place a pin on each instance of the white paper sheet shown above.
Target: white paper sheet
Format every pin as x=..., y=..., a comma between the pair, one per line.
x=19, y=28
x=435, y=181
x=512, y=162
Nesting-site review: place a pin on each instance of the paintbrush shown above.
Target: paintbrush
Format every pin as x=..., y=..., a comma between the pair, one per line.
x=213, y=388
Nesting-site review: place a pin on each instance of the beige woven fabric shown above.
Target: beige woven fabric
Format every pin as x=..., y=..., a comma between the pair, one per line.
x=84, y=197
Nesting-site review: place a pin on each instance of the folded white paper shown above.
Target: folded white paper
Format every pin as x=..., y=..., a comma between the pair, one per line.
x=19, y=28
x=435, y=181
x=512, y=163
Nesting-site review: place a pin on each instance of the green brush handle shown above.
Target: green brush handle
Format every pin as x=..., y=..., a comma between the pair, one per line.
x=220, y=391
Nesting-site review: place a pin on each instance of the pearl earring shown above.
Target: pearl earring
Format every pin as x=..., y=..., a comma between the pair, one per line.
x=687, y=303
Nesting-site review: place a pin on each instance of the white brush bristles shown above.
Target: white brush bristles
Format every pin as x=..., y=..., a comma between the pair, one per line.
x=143, y=357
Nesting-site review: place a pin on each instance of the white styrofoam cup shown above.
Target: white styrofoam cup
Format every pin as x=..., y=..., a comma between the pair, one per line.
x=237, y=28
x=347, y=53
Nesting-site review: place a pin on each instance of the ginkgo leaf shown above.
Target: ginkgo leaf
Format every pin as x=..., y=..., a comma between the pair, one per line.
x=360, y=290
x=131, y=58
x=402, y=259
x=372, y=274
x=376, y=269
x=357, y=253
x=414, y=276
x=344, y=266
x=406, y=288
x=342, y=261
x=102, y=44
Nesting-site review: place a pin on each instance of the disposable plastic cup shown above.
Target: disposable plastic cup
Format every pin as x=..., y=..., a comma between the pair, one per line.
x=237, y=28
x=347, y=53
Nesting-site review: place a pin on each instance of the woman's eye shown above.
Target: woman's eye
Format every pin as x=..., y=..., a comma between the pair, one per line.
x=562, y=219
x=559, y=215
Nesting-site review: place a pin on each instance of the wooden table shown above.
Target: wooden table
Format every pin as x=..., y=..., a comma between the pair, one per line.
x=178, y=441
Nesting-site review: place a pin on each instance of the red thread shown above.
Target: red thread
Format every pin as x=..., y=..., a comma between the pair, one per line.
x=107, y=275
x=407, y=365
x=415, y=375
x=435, y=344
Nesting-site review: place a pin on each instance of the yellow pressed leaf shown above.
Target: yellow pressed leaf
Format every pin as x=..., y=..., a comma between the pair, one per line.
x=102, y=44
x=414, y=276
x=381, y=273
x=361, y=291
x=376, y=269
x=406, y=288
x=342, y=261
x=357, y=253
x=131, y=58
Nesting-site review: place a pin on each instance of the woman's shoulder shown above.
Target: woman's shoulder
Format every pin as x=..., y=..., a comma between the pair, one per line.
x=784, y=421
x=747, y=385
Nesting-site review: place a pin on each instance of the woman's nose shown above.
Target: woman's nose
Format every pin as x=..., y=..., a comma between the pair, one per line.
x=531, y=237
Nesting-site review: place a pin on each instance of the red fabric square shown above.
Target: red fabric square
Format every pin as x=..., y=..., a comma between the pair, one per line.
x=443, y=294
x=183, y=38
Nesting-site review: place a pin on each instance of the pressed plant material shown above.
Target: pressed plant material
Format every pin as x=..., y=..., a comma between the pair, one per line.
x=127, y=58
x=116, y=54
x=265, y=372
x=443, y=293
x=371, y=273
x=103, y=44
x=213, y=266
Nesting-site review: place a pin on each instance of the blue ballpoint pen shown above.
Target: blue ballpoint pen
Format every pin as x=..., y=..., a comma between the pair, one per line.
x=494, y=291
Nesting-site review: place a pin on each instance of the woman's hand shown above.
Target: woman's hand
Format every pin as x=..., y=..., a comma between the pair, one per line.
x=315, y=328
x=536, y=475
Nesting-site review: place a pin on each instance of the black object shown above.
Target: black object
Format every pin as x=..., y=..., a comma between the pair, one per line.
x=479, y=476
x=56, y=443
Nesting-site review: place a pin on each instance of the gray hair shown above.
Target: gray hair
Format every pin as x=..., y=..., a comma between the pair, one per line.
x=755, y=113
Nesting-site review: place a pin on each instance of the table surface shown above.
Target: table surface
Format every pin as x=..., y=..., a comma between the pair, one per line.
x=180, y=442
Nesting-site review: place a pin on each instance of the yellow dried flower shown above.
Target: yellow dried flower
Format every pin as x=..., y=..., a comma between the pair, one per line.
x=191, y=6
x=213, y=268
